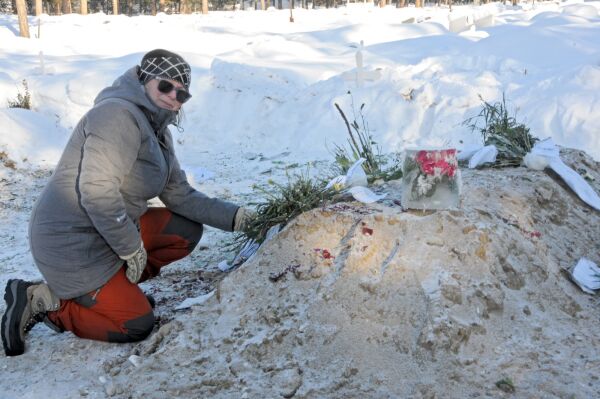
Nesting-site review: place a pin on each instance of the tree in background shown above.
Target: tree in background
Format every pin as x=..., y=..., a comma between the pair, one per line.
x=56, y=7
x=152, y=7
x=185, y=7
x=67, y=7
x=22, y=13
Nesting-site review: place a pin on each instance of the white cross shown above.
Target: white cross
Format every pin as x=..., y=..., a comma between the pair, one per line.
x=360, y=75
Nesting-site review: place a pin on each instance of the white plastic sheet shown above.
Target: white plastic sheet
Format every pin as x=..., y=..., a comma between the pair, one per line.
x=543, y=154
x=483, y=155
x=248, y=251
x=355, y=181
x=355, y=176
x=365, y=195
x=586, y=274
x=189, y=302
x=548, y=150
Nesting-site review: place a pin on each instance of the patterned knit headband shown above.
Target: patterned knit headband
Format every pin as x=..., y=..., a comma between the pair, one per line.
x=164, y=64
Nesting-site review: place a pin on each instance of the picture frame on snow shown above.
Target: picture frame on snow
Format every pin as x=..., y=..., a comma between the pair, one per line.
x=431, y=179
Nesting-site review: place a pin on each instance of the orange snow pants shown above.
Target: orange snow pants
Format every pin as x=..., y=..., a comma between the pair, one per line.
x=119, y=311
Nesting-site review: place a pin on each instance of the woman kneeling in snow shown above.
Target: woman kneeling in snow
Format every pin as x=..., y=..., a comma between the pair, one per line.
x=91, y=232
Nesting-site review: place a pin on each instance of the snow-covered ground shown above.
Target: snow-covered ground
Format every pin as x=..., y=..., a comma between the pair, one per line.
x=263, y=105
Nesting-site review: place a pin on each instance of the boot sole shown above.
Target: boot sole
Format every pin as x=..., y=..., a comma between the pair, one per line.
x=11, y=337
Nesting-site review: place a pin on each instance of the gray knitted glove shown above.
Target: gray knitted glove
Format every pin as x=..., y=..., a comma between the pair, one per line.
x=136, y=263
x=242, y=219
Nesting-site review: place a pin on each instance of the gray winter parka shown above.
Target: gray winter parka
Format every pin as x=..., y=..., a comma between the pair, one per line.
x=115, y=161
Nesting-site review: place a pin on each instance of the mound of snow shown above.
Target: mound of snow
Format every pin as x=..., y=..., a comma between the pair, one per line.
x=581, y=10
x=371, y=302
x=32, y=138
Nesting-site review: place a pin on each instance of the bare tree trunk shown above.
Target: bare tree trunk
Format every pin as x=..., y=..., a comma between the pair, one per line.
x=161, y=6
x=262, y=5
x=84, y=8
x=22, y=13
x=115, y=4
x=204, y=6
x=66, y=6
x=56, y=7
x=514, y=2
x=153, y=7
x=38, y=7
x=185, y=8
x=280, y=4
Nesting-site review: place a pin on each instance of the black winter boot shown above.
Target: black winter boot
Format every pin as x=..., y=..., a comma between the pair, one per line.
x=26, y=304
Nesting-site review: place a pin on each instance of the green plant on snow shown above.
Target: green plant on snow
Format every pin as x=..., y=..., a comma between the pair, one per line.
x=506, y=384
x=511, y=138
x=286, y=201
x=362, y=145
x=22, y=100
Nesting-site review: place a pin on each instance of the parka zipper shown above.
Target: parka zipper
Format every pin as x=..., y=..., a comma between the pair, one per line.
x=165, y=152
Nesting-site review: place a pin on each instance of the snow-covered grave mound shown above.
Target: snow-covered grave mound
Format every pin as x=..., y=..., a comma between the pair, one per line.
x=373, y=302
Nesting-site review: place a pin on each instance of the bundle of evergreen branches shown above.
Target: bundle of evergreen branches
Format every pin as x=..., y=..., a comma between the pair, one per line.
x=285, y=202
x=362, y=145
x=512, y=139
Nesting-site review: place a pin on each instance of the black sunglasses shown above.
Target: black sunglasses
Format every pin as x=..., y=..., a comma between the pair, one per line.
x=182, y=95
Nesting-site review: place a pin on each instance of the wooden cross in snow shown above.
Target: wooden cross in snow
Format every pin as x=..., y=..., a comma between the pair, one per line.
x=360, y=75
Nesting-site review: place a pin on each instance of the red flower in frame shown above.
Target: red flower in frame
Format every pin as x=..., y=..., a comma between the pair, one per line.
x=435, y=162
